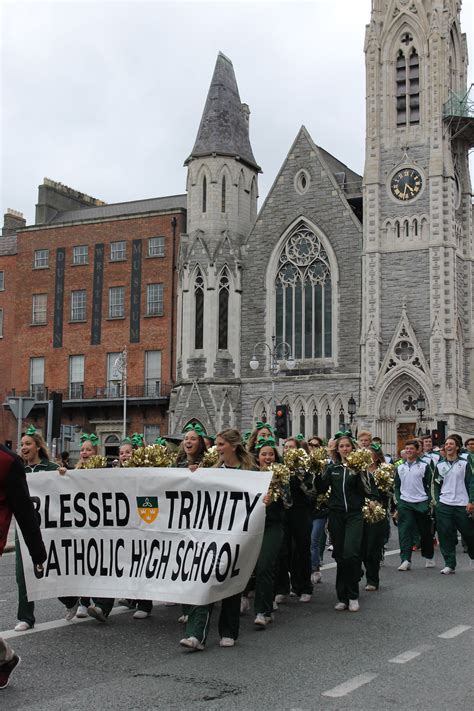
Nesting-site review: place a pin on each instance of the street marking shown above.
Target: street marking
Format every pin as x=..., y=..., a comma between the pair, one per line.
x=350, y=685
x=454, y=631
x=55, y=624
x=405, y=657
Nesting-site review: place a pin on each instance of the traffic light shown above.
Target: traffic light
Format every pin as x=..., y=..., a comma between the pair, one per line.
x=281, y=421
x=57, y=400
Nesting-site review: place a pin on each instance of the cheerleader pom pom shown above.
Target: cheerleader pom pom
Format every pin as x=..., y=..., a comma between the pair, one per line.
x=384, y=477
x=373, y=512
x=296, y=460
x=97, y=461
x=360, y=459
x=210, y=458
x=318, y=460
x=154, y=455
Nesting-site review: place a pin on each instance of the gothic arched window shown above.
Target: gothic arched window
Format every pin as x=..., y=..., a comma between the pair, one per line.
x=315, y=421
x=198, y=311
x=204, y=194
x=223, y=195
x=328, y=422
x=224, y=287
x=304, y=296
x=407, y=70
x=302, y=421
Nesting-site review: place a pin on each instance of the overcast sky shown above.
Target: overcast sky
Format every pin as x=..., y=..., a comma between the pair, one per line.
x=106, y=97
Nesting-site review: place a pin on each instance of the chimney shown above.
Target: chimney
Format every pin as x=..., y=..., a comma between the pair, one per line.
x=12, y=221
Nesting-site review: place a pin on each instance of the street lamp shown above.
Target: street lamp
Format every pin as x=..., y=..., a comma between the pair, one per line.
x=280, y=351
x=120, y=366
x=421, y=405
x=351, y=408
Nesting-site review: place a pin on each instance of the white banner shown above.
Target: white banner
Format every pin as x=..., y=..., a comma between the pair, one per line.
x=151, y=534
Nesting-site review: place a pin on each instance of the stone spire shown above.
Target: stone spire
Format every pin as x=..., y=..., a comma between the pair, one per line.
x=224, y=127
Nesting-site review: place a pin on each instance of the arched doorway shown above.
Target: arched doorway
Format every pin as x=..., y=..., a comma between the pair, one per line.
x=399, y=418
x=111, y=446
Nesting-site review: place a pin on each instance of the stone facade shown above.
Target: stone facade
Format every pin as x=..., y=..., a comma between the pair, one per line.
x=396, y=285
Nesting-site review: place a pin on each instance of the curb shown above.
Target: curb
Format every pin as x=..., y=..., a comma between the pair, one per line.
x=9, y=548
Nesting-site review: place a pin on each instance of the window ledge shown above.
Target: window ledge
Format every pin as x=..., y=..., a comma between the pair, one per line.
x=155, y=256
x=46, y=266
x=78, y=264
x=78, y=320
x=153, y=315
x=121, y=259
x=115, y=318
x=39, y=323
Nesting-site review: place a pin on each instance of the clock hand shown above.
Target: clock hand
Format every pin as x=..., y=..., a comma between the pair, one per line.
x=410, y=188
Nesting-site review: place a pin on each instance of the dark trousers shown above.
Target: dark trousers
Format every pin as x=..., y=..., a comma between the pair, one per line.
x=345, y=529
x=26, y=609
x=295, y=553
x=414, y=519
x=373, y=538
x=199, y=618
x=265, y=570
x=450, y=520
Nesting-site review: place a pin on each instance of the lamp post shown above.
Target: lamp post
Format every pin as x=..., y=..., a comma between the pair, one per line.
x=121, y=366
x=421, y=405
x=351, y=408
x=278, y=351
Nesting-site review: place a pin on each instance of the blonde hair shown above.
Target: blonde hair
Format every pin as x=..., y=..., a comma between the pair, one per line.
x=363, y=433
x=234, y=438
x=40, y=443
x=252, y=441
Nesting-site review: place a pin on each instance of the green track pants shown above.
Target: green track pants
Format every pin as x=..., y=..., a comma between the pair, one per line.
x=449, y=520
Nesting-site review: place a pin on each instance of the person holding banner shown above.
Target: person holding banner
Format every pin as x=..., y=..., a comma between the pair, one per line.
x=15, y=500
x=192, y=448
x=232, y=455
x=36, y=458
x=272, y=537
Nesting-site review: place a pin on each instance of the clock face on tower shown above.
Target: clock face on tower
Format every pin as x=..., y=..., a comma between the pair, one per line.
x=406, y=184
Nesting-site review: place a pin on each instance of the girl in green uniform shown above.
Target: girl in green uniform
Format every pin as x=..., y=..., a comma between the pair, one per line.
x=232, y=455
x=36, y=458
x=345, y=521
x=272, y=538
x=374, y=533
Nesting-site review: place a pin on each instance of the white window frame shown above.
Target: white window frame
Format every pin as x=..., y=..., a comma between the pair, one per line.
x=117, y=302
x=80, y=257
x=151, y=432
x=156, y=246
x=2, y=280
x=41, y=259
x=154, y=302
x=37, y=376
x=152, y=373
x=76, y=377
x=39, y=309
x=118, y=251
x=78, y=309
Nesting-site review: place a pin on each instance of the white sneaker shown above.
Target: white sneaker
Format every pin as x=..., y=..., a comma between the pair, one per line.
x=183, y=619
x=281, y=598
x=192, y=643
x=260, y=621
x=305, y=597
x=275, y=605
x=370, y=588
x=429, y=563
x=97, y=613
x=227, y=642
x=354, y=606
x=444, y=571
x=81, y=611
x=340, y=606
x=316, y=577
x=244, y=604
x=406, y=565
x=140, y=615
x=71, y=612
x=22, y=627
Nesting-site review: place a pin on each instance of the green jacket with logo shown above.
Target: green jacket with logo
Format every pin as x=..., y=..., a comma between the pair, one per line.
x=347, y=488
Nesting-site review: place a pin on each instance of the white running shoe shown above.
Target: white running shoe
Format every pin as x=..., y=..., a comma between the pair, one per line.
x=406, y=565
x=340, y=606
x=81, y=612
x=447, y=571
x=316, y=577
x=71, y=612
x=140, y=615
x=260, y=621
x=354, y=606
x=429, y=563
x=306, y=597
x=281, y=598
x=192, y=643
x=370, y=588
x=244, y=604
x=227, y=642
x=183, y=619
x=22, y=627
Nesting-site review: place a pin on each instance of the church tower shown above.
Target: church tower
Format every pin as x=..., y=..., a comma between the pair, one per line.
x=222, y=186
x=417, y=323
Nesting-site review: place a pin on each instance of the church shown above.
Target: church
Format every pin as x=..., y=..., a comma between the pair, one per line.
x=346, y=298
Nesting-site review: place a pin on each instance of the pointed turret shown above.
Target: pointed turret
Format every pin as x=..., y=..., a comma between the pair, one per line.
x=224, y=127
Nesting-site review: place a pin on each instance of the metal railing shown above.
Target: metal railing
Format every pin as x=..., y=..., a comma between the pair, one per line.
x=459, y=105
x=108, y=391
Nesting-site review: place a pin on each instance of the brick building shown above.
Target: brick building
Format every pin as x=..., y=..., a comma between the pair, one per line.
x=83, y=283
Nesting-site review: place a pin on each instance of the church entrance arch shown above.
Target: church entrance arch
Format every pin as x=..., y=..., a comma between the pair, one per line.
x=398, y=413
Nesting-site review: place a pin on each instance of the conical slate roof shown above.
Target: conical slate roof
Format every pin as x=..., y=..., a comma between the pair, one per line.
x=224, y=125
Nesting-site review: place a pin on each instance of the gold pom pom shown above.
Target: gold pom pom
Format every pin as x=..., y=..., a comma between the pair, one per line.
x=384, y=477
x=373, y=511
x=297, y=460
x=280, y=480
x=154, y=455
x=210, y=458
x=322, y=500
x=360, y=459
x=318, y=460
x=97, y=461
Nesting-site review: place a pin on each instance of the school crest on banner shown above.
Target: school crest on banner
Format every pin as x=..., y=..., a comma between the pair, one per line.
x=147, y=508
